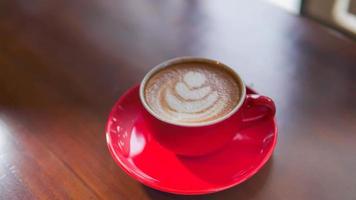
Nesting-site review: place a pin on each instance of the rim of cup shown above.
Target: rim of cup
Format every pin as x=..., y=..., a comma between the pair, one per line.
x=184, y=59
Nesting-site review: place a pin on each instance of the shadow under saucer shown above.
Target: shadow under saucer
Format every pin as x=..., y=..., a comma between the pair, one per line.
x=244, y=191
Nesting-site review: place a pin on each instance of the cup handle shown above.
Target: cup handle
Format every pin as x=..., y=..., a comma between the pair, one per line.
x=253, y=101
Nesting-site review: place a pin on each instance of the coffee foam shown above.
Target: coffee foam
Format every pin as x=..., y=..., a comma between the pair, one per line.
x=192, y=92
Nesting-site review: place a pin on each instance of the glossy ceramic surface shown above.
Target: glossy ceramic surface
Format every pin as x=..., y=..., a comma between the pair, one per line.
x=134, y=147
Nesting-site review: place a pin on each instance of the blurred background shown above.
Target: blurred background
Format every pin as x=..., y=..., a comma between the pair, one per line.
x=338, y=14
x=59, y=40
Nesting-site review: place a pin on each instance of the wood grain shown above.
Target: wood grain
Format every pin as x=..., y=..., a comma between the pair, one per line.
x=64, y=63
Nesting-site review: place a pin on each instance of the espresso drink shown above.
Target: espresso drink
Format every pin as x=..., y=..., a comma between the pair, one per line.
x=192, y=92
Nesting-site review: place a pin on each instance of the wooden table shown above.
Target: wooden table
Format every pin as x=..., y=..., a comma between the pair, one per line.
x=63, y=64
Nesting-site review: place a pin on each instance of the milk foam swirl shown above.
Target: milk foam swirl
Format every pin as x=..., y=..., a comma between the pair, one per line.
x=191, y=95
x=203, y=98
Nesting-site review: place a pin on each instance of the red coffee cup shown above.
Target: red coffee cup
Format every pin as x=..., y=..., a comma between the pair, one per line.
x=197, y=139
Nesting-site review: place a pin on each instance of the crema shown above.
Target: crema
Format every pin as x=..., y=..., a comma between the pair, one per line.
x=192, y=92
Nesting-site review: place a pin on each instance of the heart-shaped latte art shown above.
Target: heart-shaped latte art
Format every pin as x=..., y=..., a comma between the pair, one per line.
x=191, y=100
x=191, y=95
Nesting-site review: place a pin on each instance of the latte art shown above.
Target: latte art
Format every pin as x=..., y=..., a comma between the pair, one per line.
x=199, y=103
x=192, y=93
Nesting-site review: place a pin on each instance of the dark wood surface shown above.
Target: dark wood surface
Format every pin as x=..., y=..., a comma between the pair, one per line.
x=63, y=64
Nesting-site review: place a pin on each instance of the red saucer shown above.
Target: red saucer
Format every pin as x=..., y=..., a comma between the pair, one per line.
x=138, y=153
